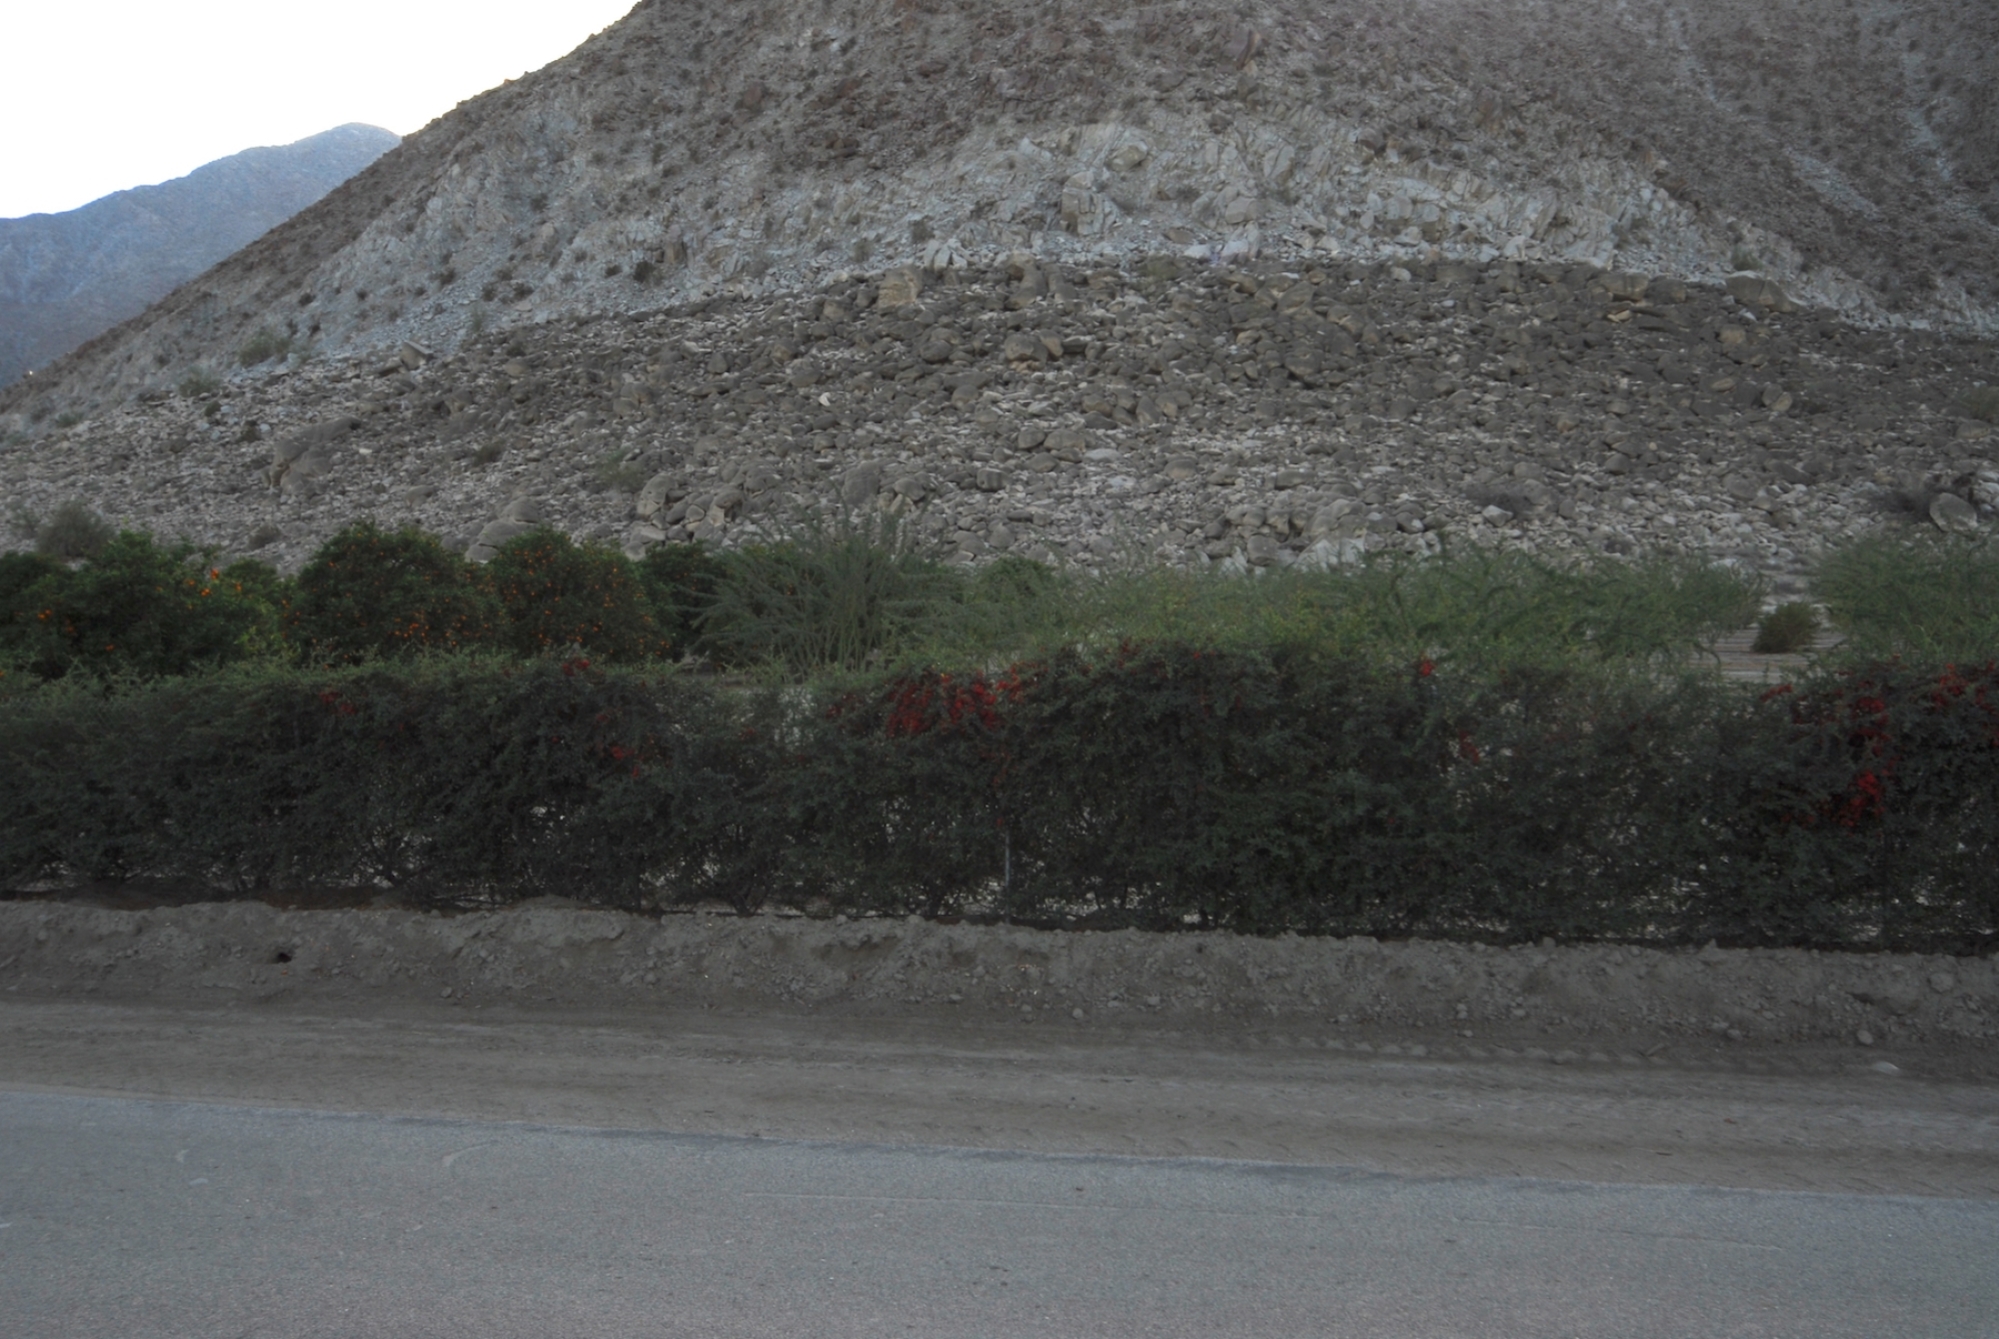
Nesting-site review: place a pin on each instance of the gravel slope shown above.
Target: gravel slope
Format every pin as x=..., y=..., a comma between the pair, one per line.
x=1165, y=411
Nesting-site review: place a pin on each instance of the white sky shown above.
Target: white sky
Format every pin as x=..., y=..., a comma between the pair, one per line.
x=99, y=95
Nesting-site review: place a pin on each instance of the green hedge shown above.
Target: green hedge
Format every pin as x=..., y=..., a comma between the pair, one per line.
x=1152, y=785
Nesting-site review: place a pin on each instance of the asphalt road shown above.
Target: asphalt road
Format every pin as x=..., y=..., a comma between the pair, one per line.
x=137, y=1218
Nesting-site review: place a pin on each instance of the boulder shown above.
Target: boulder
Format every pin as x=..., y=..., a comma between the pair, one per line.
x=900, y=288
x=493, y=538
x=652, y=499
x=860, y=484
x=1753, y=290
x=1625, y=287
x=1021, y=347
x=306, y=455
x=1953, y=514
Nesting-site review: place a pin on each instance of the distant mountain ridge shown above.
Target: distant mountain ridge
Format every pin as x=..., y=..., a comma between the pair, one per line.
x=65, y=278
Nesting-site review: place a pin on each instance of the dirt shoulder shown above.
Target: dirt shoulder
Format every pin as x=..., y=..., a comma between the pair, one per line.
x=1623, y=1069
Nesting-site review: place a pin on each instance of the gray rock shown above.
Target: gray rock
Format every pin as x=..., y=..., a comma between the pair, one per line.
x=860, y=484
x=1021, y=347
x=522, y=509
x=1753, y=290
x=900, y=288
x=1625, y=287
x=304, y=456
x=493, y=537
x=1952, y=513
x=652, y=498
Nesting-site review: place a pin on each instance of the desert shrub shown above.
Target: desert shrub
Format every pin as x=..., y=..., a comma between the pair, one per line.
x=1742, y=259
x=834, y=597
x=559, y=596
x=136, y=608
x=263, y=346
x=618, y=470
x=1983, y=403
x=1787, y=628
x=681, y=581
x=198, y=382
x=73, y=531
x=23, y=521
x=1460, y=608
x=1011, y=579
x=1927, y=597
x=369, y=593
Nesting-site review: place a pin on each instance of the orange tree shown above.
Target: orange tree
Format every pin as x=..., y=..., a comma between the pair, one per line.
x=370, y=593
x=556, y=595
x=136, y=608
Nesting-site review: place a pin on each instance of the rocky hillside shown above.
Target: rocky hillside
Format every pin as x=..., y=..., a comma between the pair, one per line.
x=1171, y=410
x=698, y=148
x=65, y=278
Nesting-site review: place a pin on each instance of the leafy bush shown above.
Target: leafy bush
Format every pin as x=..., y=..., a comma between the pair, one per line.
x=681, y=581
x=73, y=531
x=448, y=779
x=136, y=608
x=560, y=596
x=1147, y=785
x=368, y=593
x=19, y=571
x=1787, y=628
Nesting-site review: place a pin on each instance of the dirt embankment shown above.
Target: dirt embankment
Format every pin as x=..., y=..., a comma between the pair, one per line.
x=557, y=954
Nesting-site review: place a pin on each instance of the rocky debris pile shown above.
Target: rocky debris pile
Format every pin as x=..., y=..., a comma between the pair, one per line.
x=549, y=951
x=701, y=148
x=1282, y=411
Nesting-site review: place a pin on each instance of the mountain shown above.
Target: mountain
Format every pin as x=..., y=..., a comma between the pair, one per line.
x=697, y=146
x=1283, y=282
x=65, y=278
